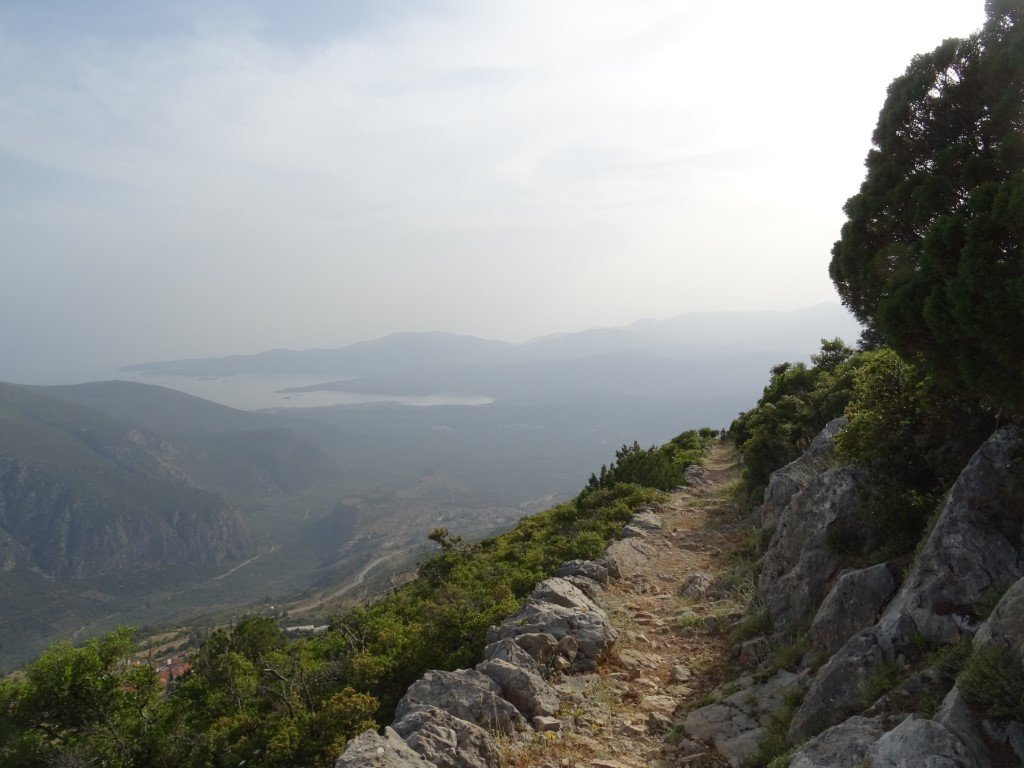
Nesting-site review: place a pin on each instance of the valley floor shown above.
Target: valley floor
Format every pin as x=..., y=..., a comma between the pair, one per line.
x=671, y=652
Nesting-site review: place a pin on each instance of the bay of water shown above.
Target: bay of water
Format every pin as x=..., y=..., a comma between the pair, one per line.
x=252, y=392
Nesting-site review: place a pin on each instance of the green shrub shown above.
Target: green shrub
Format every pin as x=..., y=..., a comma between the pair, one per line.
x=914, y=438
x=992, y=682
x=882, y=679
x=797, y=402
x=655, y=467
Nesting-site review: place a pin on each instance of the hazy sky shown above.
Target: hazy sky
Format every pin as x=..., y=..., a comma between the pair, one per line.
x=198, y=178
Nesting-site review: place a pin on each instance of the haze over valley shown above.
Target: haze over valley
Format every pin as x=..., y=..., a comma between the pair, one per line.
x=128, y=502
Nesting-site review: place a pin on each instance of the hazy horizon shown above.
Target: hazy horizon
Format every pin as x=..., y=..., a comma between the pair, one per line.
x=219, y=178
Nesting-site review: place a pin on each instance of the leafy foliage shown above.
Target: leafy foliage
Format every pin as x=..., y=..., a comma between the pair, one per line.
x=798, y=401
x=931, y=256
x=911, y=433
x=914, y=437
x=660, y=467
x=993, y=682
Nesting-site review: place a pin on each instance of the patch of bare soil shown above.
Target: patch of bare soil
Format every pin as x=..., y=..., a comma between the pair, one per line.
x=673, y=648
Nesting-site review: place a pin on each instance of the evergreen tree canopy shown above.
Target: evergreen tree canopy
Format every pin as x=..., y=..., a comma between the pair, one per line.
x=931, y=258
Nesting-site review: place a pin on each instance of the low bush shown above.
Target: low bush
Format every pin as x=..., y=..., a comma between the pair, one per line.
x=992, y=681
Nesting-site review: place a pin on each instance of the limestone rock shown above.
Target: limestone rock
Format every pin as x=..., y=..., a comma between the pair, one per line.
x=795, y=476
x=841, y=746
x=466, y=694
x=974, y=549
x=542, y=647
x=512, y=652
x=923, y=743
x=371, y=750
x=647, y=521
x=679, y=674
x=590, y=569
x=447, y=741
x=695, y=475
x=737, y=723
x=588, y=587
x=841, y=684
x=853, y=604
x=1005, y=625
x=562, y=592
x=695, y=585
x=665, y=705
x=591, y=629
x=526, y=690
x=627, y=557
x=955, y=715
x=798, y=565
x=542, y=723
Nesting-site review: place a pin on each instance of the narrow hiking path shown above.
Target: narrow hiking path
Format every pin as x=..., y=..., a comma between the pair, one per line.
x=671, y=652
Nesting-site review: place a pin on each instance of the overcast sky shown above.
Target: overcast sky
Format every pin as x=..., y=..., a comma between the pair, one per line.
x=197, y=178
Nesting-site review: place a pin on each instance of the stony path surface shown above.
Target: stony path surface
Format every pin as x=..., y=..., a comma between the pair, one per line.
x=671, y=652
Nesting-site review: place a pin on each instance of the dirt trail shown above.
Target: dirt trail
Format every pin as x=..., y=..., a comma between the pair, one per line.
x=670, y=652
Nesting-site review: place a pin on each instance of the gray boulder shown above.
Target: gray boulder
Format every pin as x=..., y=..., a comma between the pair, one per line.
x=696, y=585
x=466, y=694
x=626, y=557
x=799, y=564
x=840, y=686
x=526, y=690
x=921, y=744
x=589, y=569
x=1005, y=625
x=593, y=633
x=974, y=549
x=371, y=750
x=955, y=715
x=842, y=746
x=542, y=647
x=797, y=475
x=447, y=741
x=854, y=603
x=588, y=587
x=563, y=592
x=647, y=521
x=736, y=724
x=695, y=475
x=510, y=651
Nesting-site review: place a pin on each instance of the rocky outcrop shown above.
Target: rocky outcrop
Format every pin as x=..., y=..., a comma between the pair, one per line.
x=695, y=475
x=736, y=724
x=795, y=476
x=465, y=694
x=448, y=718
x=842, y=746
x=924, y=743
x=626, y=558
x=371, y=750
x=853, y=604
x=975, y=550
x=526, y=690
x=800, y=563
x=75, y=527
x=447, y=741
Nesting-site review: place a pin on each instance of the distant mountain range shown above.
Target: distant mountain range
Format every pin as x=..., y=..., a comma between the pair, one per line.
x=423, y=360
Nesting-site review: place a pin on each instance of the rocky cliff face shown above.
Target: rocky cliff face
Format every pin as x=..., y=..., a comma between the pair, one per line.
x=64, y=528
x=878, y=685
x=85, y=495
